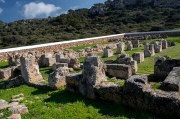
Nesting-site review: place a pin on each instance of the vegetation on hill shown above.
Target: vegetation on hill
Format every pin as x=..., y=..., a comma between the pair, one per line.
x=82, y=24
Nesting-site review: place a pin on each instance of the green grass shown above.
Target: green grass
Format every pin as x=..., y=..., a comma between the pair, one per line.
x=121, y=83
x=147, y=67
x=45, y=71
x=156, y=85
x=62, y=104
x=4, y=65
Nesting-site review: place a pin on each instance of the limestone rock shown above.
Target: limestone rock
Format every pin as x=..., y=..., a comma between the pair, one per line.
x=120, y=48
x=157, y=46
x=118, y=70
x=30, y=69
x=108, y=52
x=3, y=104
x=47, y=59
x=19, y=109
x=93, y=73
x=58, y=77
x=164, y=44
x=129, y=46
x=172, y=81
x=74, y=63
x=149, y=50
x=58, y=65
x=135, y=43
x=14, y=116
x=138, y=56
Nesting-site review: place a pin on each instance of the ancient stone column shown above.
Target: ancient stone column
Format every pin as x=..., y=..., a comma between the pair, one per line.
x=129, y=46
x=108, y=52
x=149, y=50
x=30, y=69
x=93, y=73
x=138, y=56
x=157, y=46
x=164, y=44
x=135, y=43
x=120, y=48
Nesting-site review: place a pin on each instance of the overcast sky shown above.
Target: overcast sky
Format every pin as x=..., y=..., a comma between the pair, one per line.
x=12, y=10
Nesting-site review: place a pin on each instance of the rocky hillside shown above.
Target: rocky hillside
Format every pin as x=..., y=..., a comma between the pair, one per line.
x=111, y=17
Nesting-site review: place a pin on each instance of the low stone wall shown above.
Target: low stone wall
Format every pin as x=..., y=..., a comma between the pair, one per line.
x=50, y=47
x=136, y=93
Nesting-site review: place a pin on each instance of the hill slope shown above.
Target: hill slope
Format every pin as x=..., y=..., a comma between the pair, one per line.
x=83, y=23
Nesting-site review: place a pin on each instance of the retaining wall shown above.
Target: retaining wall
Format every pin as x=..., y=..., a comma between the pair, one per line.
x=50, y=47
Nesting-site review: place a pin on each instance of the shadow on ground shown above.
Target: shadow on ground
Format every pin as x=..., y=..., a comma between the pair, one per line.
x=105, y=108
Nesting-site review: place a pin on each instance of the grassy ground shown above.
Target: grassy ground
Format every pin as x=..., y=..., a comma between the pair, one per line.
x=3, y=65
x=61, y=104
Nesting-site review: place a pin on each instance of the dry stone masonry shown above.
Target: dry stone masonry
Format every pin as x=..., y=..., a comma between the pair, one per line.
x=30, y=69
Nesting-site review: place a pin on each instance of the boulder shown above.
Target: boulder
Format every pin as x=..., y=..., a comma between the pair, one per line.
x=58, y=77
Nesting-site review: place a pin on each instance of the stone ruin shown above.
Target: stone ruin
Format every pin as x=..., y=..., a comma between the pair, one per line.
x=135, y=43
x=92, y=74
x=157, y=46
x=149, y=50
x=138, y=56
x=92, y=81
x=57, y=78
x=120, y=47
x=125, y=59
x=135, y=93
x=30, y=69
x=164, y=44
x=108, y=52
x=169, y=68
x=129, y=46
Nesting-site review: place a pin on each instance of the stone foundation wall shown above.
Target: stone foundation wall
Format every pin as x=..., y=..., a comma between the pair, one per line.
x=136, y=93
x=50, y=47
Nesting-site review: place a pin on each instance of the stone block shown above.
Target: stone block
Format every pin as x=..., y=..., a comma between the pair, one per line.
x=57, y=78
x=164, y=44
x=138, y=56
x=107, y=52
x=149, y=50
x=118, y=70
x=120, y=48
x=30, y=69
x=172, y=81
x=135, y=43
x=58, y=65
x=129, y=46
x=157, y=46
x=73, y=82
